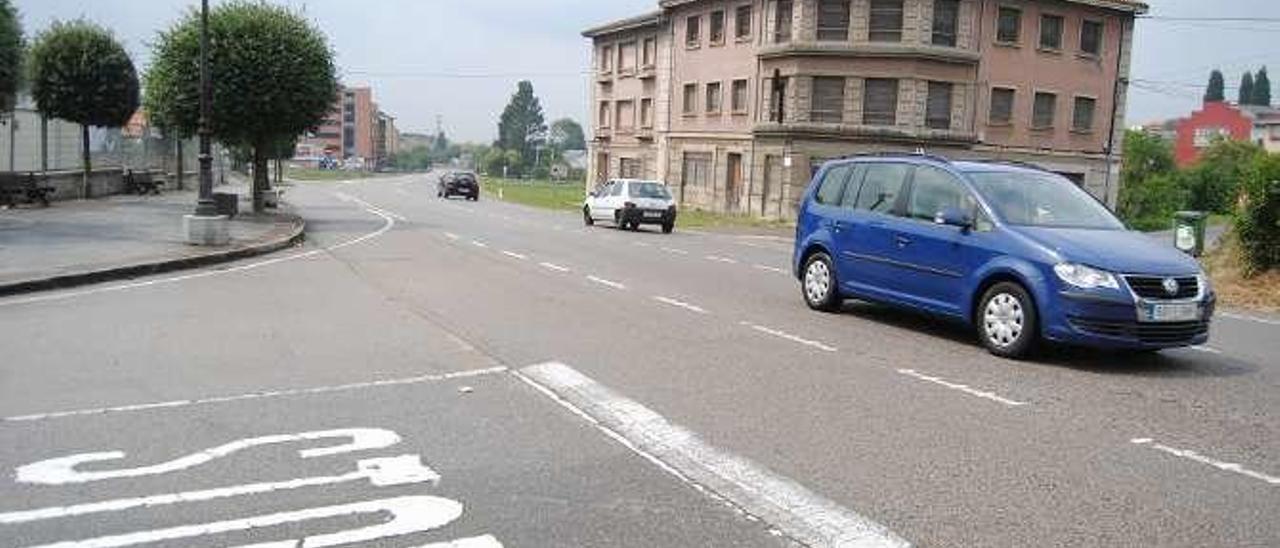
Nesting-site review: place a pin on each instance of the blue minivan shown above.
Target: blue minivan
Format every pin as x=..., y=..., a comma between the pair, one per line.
x=1021, y=254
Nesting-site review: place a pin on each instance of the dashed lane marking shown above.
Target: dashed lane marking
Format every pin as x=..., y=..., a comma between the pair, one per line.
x=962, y=388
x=675, y=251
x=515, y=255
x=555, y=267
x=423, y=379
x=719, y=259
x=681, y=304
x=452, y=236
x=791, y=509
x=1206, y=349
x=479, y=243
x=773, y=269
x=1202, y=459
x=792, y=338
x=607, y=283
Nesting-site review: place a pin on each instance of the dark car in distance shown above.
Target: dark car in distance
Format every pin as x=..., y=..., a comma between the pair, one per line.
x=459, y=183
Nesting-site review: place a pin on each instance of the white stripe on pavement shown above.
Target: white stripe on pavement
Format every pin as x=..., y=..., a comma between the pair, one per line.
x=718, y=259
x=1197, y=457
x=607, y=283
x=515, y=255
x=767, y=268
x=675, y=251
x=792, y=338
x=681, y=304
x=791, y=508
x=963, y=388
x=555, y=267
x=479, y=243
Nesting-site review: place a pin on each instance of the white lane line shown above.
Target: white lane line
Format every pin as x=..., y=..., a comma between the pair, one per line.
x=1248, y=318
x=792, y=338
x=1206, y=349
x=790, y=508
x=452, y=236
x=515, y=255
x=681, y=304
x=389, y=223
x=380, y=210
x=1197, y=457
x=768, y=268
x=963, y=388
x=555, y=267
x=381, y=472
x=642, y=244
x=718, y=259
x=675, y=251
x=479, y=243
x=607, y=283
x=258, y=395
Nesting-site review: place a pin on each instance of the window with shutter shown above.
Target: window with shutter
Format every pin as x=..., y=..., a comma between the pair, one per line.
x=1051, y=32
x=1042, y=112
x=880, y=102
x=1001, y=106
x=886, y=21
x=828, y=99
x=938, y=106
x=1082, y=116
x=833, y=20
x=1009, y=25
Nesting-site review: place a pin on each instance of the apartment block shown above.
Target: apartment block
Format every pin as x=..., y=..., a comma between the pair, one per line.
x=745, y=99
x=356, y=132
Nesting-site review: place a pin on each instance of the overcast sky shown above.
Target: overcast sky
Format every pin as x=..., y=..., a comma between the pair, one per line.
x=460, y=59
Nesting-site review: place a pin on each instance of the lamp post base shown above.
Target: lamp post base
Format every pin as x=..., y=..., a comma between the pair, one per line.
x=205, y=230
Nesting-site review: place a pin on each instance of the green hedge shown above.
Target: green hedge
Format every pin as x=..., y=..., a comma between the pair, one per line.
x=1258, y=221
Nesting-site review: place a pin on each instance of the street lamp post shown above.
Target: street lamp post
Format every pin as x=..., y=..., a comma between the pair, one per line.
x=206, y=206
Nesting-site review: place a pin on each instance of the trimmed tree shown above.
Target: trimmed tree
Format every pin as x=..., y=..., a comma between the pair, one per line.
x=11, y=46
x=1246, y=96
x=80, y=73
x=273, y=79
x=1262, y=88
x=522, y=126
x=1216, y=92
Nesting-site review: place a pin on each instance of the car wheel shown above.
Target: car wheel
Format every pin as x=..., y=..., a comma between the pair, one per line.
x=1007, y=323
x=475, y=197
x=821, y=291
x=586, y=216
x=668, y=228
x=617, y=221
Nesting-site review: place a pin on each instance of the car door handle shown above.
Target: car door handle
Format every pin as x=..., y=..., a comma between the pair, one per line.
x=903, y=241
x=837, y=226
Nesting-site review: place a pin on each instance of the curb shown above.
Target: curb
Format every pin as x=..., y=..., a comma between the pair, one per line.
x=296, y=235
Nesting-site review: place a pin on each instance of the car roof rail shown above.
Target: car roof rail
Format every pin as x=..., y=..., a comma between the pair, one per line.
x=1013, y=163
x=918, y=153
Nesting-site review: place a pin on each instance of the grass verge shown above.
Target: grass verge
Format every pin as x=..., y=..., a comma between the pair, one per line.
x=1261, y=292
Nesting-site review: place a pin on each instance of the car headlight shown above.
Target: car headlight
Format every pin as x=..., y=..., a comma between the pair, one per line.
x=1085, y=277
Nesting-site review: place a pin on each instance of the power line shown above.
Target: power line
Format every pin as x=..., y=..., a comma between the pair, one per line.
x=1213, y=19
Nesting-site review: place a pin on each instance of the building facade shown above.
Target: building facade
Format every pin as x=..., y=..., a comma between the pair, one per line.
x=355, y=132
x=747, y=98
x=1222, y=120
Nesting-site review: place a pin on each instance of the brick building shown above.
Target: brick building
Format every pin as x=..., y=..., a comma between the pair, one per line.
x=736, y=103
x=1225, y=120
x=355, y=132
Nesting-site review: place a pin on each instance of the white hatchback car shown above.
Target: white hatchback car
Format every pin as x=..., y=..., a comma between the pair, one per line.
x=629, y=203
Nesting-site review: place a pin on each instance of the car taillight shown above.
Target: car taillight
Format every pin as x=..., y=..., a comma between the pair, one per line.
x=629, y=205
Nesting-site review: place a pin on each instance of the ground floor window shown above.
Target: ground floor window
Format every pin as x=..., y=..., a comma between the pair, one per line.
x=629, y=168
x=696, y=171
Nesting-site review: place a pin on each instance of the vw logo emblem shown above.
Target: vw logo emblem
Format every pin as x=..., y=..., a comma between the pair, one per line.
x=1171, y=286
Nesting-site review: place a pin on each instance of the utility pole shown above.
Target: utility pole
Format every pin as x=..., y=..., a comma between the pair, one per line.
x=206, y=206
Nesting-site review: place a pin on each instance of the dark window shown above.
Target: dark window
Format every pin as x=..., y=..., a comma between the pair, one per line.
x=717, y=27
x=934, y=190
x=693, y=31
x=782, y=22
x=937, y=113
x=690, y=98
x=1042, y=112
x=886, y=21
x=739, y=96
x=833, y=185
x=880, y=102
x=828, y=99
x=1002, y=100
x=713, y=97
x=777, y=99
x=833, y=20
x=1051, y=32
x=852, y=187
x=646, y=113
x=1082, y=116
x=1009, y=26
x=946, y=18
x=1091, y=37
x=881, y=186
x=742, y=22
x=696, y=169
x=650, y=51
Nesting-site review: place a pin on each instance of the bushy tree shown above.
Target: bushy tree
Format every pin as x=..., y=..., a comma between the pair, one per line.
x=1151, y=190
x=80, y=73
x=273, y=75
x=11, y=46
x=522, y=127
x=567, y=134
x=1213, y=183
x=1258, y=221
x=1262, y=88
x=1246, y=96
x=1216, y=92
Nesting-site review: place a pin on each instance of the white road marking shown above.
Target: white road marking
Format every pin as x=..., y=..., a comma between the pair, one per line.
x=718, y=259
x=451, y=236
x=62, y=470
x=408, y=515
x=642, y=244
x=768, y=268
x=1197, y=457
x=792, y=338
x=553, y=266
x=681, y=304
x=515, y=255
x=390, y=222
x=675, y=251
x=258, y=395
x=1248, y=318
x=486, y=541
x=792, y=509
x=380, y=472
x=479, y=243
x=376, y=209
x=607, y=283
x=1206, y=349
x=963, y=388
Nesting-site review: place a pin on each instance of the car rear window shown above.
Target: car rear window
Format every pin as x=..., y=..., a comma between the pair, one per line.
x=650, y=190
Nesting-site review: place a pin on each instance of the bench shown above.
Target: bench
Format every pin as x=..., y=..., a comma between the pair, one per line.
x=16, y=186
x=143, y=182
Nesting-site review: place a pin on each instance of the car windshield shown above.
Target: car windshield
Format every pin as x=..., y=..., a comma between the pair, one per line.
x=1042, y=199
x=650, y=190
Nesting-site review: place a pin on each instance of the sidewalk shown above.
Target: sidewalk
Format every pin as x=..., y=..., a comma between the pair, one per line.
x=82, y=242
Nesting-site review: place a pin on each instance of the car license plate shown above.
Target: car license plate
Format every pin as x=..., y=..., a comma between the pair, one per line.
x=653, y=214
x=1179, y=312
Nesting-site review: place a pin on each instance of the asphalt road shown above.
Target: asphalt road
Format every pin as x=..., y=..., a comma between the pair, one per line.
x=428, y=372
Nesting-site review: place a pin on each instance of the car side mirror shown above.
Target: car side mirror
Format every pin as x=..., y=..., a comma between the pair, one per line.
x=954, y=216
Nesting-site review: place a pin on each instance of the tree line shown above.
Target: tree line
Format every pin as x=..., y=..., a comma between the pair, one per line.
x=1254, y=90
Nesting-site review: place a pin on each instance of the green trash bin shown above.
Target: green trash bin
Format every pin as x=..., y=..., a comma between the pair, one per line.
x=1188, y=231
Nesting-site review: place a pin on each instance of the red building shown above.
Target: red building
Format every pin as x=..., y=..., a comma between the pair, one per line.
x=1197, y=131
